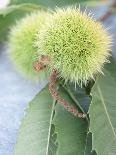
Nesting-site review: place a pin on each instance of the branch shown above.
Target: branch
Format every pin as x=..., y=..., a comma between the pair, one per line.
x=52, y=81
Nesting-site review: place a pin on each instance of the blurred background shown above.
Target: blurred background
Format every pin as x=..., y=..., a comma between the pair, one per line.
x=15, y=90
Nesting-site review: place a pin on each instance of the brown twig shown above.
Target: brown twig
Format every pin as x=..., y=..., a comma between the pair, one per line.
x=107, y=13
x=52, y=88
x=105, y=16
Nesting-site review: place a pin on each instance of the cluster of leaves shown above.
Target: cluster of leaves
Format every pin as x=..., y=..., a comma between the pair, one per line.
x=48, y=129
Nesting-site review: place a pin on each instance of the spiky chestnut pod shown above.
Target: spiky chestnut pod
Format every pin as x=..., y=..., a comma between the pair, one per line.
x=77, y=44
x=21, y=44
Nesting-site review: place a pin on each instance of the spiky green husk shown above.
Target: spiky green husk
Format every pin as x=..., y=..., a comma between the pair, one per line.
x=77, y=45
x=21, y=44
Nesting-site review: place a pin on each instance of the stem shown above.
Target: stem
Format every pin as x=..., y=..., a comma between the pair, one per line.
x=52, y=88
x=105, y=16
x=107, y=13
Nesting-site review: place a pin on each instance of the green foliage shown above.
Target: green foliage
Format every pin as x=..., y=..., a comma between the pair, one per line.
x=49, y=132
x=88, y=148
x=37, y=135
x=21, y=44
x=10, y=14
x=77, y=45
x=111, y=67
x=80, y=96
x=6, y=22
x=70, y=131
x=102, y=115
x=50, y=3
x=22, y=7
